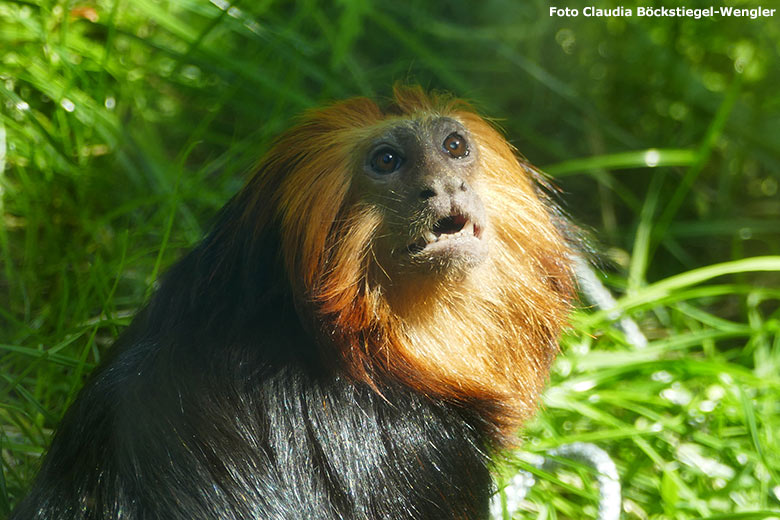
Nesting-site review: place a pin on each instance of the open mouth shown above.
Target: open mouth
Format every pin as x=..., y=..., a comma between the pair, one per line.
x=448, y=230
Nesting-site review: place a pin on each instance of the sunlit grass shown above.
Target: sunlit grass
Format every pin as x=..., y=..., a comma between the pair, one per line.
x=691, y=419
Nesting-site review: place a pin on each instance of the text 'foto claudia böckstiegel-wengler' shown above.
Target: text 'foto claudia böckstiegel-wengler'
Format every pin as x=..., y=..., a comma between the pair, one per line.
x=661, y=12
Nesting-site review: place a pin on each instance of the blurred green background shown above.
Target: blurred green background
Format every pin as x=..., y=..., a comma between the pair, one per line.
x=126, y=124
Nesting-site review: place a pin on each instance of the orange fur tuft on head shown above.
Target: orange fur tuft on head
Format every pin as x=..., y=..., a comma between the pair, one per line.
x=482, y=337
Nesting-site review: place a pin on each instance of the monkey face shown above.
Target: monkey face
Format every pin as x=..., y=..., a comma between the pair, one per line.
x=424, y=176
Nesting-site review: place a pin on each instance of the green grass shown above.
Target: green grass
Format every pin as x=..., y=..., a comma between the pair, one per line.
x=120, y=138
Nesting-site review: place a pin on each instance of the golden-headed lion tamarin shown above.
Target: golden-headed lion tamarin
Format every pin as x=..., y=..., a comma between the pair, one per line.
x=370, y=317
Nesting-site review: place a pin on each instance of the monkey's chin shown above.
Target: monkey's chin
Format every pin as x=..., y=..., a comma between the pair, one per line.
x=453, y=256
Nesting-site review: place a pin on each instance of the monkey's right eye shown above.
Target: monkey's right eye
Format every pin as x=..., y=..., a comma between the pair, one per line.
x=386, y=161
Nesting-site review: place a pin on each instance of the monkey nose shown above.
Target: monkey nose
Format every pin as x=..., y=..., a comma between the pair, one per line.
x=449, y=186
x=427, y=193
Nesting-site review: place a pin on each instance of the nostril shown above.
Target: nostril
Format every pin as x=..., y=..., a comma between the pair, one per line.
x=463, y=186
x=427, y=193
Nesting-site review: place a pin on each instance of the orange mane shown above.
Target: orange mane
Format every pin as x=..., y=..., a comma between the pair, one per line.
x=486, y=340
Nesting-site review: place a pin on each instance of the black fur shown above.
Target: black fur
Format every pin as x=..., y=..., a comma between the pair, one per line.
x=217, y=404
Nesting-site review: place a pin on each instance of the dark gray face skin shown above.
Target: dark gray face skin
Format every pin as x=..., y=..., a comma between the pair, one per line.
x=422, y=173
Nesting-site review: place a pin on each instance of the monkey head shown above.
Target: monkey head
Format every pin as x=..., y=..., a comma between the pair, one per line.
x=424, y=174
x=417, y=243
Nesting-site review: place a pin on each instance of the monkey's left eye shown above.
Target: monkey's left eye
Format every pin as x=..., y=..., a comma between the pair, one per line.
x=386, y=161
x=456, y=146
